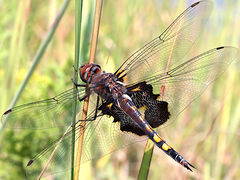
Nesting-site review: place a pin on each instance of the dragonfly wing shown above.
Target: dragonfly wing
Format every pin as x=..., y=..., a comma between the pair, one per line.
x=184, y=83
x=42, y=114
x=104, y=135
x=101, y=136
x=170, y=47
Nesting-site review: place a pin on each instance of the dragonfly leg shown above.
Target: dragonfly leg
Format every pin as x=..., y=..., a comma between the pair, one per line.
x=93, y=119
x=75, y=70
x=82, y=98
x=96, y=109
x=78, y=85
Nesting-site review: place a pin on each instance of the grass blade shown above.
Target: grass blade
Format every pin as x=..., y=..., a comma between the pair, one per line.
x=96, y=25
x=78, y=24
x=146, y=161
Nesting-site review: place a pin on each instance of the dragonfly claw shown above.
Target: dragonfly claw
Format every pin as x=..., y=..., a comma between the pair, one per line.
x=187, y=164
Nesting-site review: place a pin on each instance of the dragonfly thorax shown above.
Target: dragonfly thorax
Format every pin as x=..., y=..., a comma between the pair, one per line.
x=107, y=86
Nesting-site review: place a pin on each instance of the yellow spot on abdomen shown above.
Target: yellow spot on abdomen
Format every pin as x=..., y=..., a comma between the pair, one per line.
x=156, y=138
x=166, y=147
x=148, y=128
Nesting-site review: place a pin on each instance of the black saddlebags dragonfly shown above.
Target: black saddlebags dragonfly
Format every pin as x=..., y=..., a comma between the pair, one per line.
x=149, y=89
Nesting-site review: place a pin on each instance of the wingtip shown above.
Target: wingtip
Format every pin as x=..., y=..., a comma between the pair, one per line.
x=30, y=162
x=221, y=47
x=196, y=3
x=8, y=111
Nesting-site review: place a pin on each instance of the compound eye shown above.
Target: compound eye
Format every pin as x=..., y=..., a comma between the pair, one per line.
x=96, y=69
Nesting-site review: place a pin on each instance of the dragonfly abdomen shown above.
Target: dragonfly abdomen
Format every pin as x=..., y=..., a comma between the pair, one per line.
x=126, y=104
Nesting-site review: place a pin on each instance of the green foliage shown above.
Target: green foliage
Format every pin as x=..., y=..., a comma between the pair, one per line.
x=206, y=133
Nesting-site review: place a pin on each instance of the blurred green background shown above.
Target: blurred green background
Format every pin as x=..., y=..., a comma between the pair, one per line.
x=206, y=133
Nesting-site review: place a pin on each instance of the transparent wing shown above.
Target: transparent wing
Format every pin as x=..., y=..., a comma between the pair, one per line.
x=101, y=136
x=184, y=83
x=170, y=47
x=42, y=114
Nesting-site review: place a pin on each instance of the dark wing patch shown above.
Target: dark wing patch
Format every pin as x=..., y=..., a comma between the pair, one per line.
x=155, y=111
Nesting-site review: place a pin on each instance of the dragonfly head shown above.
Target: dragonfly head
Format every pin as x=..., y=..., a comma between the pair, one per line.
x=87, y=71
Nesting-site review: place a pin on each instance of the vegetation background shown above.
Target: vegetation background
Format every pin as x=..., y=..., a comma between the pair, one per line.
x=207, y=133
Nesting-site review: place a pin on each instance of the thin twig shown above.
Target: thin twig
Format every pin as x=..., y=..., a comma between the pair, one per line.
x=52, y=154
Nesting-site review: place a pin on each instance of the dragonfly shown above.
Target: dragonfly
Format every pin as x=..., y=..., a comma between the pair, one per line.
x=149, y=90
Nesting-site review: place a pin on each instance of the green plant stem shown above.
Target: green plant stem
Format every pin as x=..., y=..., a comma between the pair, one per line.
x=146, y=161
x=78, y=24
